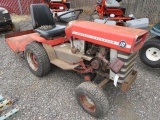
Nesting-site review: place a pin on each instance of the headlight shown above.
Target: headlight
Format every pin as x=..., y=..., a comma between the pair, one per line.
x=5, y=12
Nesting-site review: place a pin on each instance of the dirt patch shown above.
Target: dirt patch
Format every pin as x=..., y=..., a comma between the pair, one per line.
x=19, y=18
x=24, y=21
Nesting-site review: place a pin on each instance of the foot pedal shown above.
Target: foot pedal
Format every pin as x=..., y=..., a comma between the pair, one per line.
x=7, y=111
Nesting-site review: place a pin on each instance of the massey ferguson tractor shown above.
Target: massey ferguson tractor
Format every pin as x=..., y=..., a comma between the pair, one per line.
x=92, y=49
x=111, y=12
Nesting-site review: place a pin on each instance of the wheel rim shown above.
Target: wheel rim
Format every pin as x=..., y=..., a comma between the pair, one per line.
x=153, y=54
x=87, y=103
x=31, y=58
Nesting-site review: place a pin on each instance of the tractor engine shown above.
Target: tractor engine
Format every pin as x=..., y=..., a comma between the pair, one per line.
x=109, y=61
x=102, y=58
x=112, y=49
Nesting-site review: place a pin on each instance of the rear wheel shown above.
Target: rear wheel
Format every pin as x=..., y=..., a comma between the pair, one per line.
x=92, y=99
x=150, y=52
x=37, y=59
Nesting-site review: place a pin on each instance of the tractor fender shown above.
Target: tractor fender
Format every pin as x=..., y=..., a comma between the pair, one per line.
x=18, y=41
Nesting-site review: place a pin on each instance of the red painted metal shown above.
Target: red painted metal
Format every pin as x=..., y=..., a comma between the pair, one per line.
x=18, y=41
x=120, y=18
x=84, y=69
x=116, y=11
x=107, y=35
x=55, y=7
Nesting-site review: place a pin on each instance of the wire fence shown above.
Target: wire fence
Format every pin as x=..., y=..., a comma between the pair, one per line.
x=18, y=6
x=140, y=8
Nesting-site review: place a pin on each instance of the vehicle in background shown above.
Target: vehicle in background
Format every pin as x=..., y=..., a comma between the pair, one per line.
x=150, y=52
x=111, y=12
x=57, y=5
x=6, y=23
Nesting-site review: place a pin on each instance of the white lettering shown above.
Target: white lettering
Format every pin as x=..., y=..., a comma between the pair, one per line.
x=100, y=39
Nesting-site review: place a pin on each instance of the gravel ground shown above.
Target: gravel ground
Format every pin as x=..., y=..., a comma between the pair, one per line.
x=52, y=97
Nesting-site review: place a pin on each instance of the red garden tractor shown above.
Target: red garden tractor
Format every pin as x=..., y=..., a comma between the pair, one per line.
x=110, y=12
x=57, y=5
x=108, y=7
x=61, y=10
x=92, y=49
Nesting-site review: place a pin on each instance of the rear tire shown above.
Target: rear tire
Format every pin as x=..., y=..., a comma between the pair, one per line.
x=150, y=53
x=37, y=59
x=92, y=99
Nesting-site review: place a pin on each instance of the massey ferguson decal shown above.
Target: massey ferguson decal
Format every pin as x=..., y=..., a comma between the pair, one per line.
x=122, y=44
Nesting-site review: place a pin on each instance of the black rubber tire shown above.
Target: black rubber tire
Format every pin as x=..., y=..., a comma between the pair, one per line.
x=97, y=96
x=153, y=42
x=42, y=58
x=16, y=27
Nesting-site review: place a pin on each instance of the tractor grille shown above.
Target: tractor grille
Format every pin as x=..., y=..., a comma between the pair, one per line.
x=129, y=60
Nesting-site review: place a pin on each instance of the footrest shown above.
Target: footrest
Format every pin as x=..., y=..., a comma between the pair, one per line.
x=63, y=65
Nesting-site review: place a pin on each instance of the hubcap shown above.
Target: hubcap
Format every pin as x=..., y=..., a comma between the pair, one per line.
x=153, y=54
x=31, y=58
x=87, y=103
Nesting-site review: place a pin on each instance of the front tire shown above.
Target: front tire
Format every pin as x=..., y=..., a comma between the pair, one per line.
x=150, y=53
x=37, y=59
x=92, y=99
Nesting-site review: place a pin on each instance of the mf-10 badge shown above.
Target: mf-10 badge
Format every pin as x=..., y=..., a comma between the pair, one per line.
x=122, y=44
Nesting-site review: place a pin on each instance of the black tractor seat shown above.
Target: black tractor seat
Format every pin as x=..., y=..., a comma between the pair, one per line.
x=43, y=22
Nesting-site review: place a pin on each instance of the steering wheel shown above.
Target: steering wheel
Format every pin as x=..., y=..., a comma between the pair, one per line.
x=75, y=15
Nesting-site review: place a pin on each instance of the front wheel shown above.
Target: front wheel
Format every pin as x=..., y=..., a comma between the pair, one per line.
x=92, y=99
x=37, y=59
x=150, y=52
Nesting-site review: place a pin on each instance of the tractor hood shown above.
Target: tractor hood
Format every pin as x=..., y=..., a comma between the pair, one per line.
x=116, y=37
x=156, y=29
x=2, y=9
